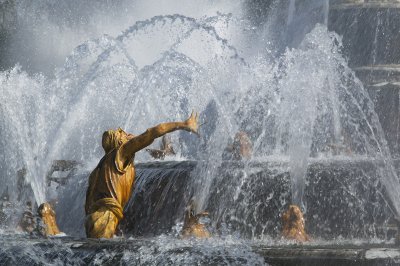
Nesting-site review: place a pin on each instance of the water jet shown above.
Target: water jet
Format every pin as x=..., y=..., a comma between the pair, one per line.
x=315, y=92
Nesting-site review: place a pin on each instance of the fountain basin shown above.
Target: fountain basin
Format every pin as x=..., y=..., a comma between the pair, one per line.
x=169, y=250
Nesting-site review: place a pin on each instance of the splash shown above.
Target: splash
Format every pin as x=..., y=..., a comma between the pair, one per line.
x=101, y=87
x=298, y=105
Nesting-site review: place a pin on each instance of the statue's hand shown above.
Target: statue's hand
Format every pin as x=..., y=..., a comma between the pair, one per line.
x=192, y=123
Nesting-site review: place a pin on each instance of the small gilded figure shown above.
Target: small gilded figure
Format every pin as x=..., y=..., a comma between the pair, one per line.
x=192, y=227
x=293, y=225
x=241, y=147
x=165, y=149
x=48, y=217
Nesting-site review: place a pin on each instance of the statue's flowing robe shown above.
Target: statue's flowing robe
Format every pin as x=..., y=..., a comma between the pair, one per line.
x=110, y=187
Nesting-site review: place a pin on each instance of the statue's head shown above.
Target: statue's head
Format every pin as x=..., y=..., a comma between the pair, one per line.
x=45, y=210
x=112, y=139
x=242, y=146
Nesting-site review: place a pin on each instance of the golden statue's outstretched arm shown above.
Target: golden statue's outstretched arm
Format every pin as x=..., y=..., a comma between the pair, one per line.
x=128, y=149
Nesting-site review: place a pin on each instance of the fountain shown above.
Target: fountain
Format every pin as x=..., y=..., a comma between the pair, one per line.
x=305, y=94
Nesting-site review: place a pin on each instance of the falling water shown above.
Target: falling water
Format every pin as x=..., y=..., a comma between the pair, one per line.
x=73, y=108
x=376, y=36
x=298, y=104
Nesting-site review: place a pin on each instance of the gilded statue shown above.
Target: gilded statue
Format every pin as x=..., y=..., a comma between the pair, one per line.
x=192, y=226
x=48, y=217
x=241, y=147
x=293, y=225
x=111, y=182
x=165, y=149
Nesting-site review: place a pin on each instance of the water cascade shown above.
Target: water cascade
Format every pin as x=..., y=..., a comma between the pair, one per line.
x=306, y=100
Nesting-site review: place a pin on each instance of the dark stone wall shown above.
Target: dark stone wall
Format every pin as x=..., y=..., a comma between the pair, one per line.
x=161, y=194
x=342, y=198
x=8, y=21
x=370, y=35
x=386, y=101
x=371, y=38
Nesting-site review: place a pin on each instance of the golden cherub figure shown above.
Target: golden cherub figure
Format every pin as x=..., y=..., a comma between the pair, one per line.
x=241, y=147
x=293, y=224
x=111, y=182
x=165, y=149
x=192, y=226
x=48, y=216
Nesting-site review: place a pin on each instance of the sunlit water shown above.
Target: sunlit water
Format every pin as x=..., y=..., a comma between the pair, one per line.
x=298, y=105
